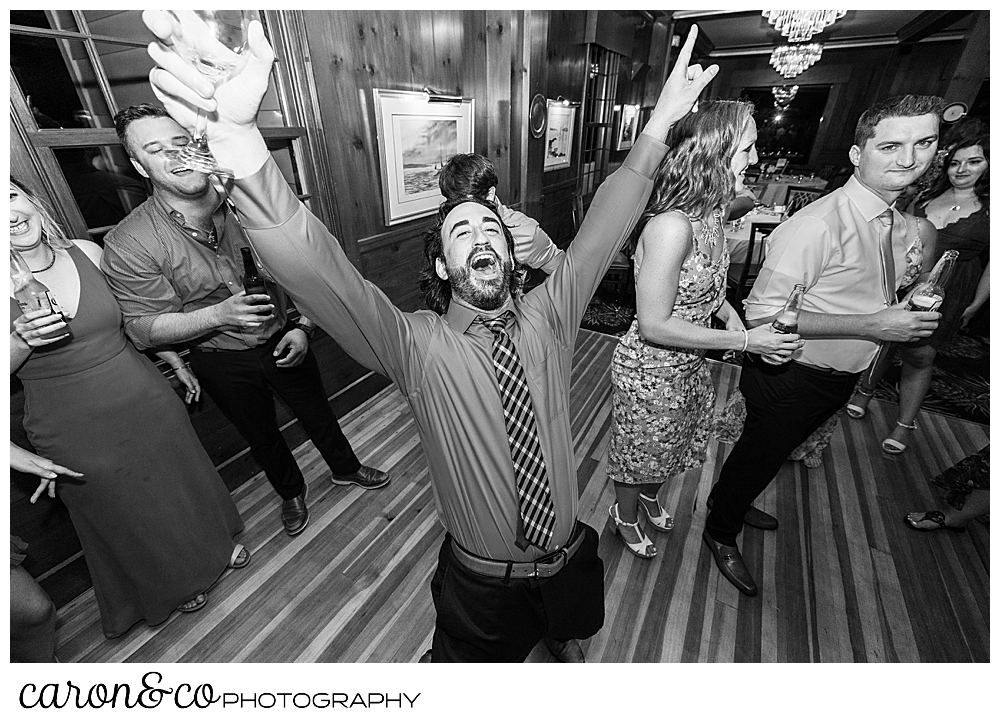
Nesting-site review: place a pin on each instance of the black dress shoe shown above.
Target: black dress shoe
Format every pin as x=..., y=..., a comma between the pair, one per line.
x=294, y=514
x=426, y=657
x=730, y=563
x=754, y=517
x=367, y=477
x=568, y=651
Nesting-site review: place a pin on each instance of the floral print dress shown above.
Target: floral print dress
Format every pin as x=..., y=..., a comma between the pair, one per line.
x=663, y=396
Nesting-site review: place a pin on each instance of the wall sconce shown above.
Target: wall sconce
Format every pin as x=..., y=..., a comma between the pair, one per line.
x=565, y=101
x=434, y=97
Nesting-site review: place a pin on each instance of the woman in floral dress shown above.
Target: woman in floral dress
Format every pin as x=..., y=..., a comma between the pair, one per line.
x=663, y=394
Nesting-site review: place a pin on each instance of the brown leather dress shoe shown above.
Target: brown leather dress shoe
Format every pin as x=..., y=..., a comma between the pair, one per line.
x=754, y=517
x=367, y=477
x=730, y=563
x=294, y=514
x=565, y=652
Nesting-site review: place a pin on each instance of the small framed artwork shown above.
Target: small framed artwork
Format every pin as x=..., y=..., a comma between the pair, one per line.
x=561, y=119
x=417, y=135
x=628, y=127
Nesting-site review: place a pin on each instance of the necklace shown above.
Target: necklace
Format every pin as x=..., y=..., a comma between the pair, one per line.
x=50, y=264
x=957, y=206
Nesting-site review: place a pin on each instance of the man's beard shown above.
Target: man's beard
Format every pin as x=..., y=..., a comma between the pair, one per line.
x=486, y=294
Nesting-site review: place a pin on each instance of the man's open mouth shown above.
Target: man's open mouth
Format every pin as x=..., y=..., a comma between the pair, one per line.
x=484, y=265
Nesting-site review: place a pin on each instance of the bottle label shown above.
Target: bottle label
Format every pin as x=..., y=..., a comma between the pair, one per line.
x=925, y=302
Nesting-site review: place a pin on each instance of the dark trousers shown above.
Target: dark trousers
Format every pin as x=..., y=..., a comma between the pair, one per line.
x=486, y=620
x=785, y=404
x=243, y=384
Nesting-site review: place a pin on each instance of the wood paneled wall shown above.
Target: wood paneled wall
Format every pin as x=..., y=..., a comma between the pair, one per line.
x=472, y=53
x=858, y=78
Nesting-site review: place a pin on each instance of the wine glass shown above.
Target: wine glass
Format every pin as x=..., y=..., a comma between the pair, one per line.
x=214, y=42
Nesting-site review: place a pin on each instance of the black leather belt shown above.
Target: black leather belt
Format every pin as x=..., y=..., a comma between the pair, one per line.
x=543, y=567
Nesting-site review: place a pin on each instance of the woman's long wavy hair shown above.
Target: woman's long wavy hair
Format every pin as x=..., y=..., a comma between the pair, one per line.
x=982, y=187
x=437, y=291
x=52, y=232
x=696, y=177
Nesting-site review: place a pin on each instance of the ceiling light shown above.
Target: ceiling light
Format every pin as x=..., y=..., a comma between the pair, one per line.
x=800, y=25
x=783, y=95
x=790, y=60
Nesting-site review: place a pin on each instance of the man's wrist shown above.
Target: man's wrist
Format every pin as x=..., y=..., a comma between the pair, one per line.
x=308, y=329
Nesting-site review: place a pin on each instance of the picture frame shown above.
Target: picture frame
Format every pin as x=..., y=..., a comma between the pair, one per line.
x=628, y=126
x=559, y=134
x=417, y=134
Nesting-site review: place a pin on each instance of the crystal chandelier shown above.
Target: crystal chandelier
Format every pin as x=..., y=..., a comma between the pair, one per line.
x=790, y=60
x=783, y=94
x=800, y=25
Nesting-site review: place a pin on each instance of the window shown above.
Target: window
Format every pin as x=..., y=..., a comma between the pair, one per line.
x=598, y=116
x=71, y=71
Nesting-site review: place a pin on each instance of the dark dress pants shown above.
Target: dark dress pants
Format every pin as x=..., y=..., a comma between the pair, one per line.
x=487, y=620
x=785, y=404
x=243, y=384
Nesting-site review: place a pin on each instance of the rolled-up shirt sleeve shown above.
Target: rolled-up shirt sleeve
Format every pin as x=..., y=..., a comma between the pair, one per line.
x=142, y=291
x=797, y=253
x=532, y=246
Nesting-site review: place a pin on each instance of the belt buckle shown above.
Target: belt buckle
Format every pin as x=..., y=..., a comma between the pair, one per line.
x=555, y=555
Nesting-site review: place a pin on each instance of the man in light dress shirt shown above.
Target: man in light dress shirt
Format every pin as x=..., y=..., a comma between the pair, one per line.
x=496, y=594
x=833, y=247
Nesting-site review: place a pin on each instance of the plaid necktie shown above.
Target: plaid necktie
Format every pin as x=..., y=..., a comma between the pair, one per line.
x=534, y=498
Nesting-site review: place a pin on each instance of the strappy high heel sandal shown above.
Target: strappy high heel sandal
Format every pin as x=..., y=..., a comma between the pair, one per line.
x=240, y=557
x=892, y=446
x=662, y=522
x=643, y=546
x=856, y=411
x=196, y=603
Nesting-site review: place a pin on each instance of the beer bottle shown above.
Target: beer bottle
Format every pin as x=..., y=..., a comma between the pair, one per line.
x=32, y=295
x=788, y=320
x=253, y=281
x=928, y=295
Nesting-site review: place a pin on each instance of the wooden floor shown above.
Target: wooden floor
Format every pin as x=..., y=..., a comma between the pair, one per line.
x=841, y=580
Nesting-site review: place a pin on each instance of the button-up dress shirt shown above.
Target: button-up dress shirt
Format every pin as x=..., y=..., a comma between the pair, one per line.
x=442, y=363
x=831, y=246
x=156, y=263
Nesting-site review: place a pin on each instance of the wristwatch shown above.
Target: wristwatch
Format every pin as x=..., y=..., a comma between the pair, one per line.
x=310, y=331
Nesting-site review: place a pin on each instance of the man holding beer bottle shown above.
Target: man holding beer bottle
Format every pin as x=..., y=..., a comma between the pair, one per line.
x=851, y=250
x=177, y=268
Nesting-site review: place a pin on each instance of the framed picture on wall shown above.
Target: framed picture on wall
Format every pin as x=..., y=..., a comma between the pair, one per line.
x=559, y=135
x=628, y=127
x=417, y=135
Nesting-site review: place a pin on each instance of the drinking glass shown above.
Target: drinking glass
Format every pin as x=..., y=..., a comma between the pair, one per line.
x=214, y=42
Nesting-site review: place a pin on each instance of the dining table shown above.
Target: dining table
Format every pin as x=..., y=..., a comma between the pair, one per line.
x=738, y=236
x=776, y=189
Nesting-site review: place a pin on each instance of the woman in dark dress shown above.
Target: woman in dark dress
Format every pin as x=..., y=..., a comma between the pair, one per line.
x=959, y=208
x=154, y=518
x=966, y=486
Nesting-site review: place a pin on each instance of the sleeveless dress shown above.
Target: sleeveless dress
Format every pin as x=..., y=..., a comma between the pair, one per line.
x=970, y=236
x=154, y=518
x=663, y=396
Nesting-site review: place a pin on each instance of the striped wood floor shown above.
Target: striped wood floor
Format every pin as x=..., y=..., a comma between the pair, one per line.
x=842, y=580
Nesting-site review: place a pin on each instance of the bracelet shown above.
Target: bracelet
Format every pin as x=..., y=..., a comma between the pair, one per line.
x=746, y=340
x=182, y=366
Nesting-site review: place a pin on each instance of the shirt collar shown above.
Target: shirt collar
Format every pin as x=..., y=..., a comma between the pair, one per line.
x=218, y=215
x=869, y=204
x=460, y=316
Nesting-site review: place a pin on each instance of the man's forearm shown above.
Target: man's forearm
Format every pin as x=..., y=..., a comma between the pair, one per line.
x=175, y=327
x=826, y=326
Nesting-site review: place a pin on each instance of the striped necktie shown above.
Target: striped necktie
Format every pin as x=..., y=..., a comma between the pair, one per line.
x=885, y=254
x=534, y=498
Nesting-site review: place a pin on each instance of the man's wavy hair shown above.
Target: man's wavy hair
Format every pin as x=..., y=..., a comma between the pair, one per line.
x=900, y=106
x=52, y=232
x=437, y=291
x=982, y=187
x=696, y=176
x=467, y=175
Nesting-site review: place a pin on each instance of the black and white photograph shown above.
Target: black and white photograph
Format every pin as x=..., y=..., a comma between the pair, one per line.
x=401, y=336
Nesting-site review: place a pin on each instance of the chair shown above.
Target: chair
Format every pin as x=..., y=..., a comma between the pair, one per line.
x=800, y=196
x=756, y=248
